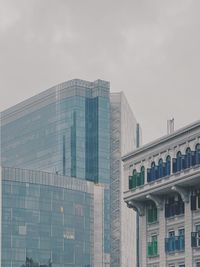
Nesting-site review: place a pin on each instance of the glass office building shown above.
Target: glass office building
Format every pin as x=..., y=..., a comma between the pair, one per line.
x=49, y=218
x=68, y=130
x=65, y=129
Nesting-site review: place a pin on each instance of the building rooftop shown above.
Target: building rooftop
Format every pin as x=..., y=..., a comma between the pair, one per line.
x=162, y=140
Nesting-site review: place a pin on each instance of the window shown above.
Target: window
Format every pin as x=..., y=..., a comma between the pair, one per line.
x=198, y=234
x=152, y=246
x=78, y=210
x=168, y=165
x=174, y=206
x=137, y=179
x=181, y=231
x=179, y=161
x=132, y=179
x=171, y=233
x=142, y=175
x=181, y=239
x=195, y=200
x=188, y=158
x=197, y=154
x=22, y=229
x=69, y=233
x=175, y=243
x=151, y=213
x=198, y=264
x=153, y=171
x=160, y=168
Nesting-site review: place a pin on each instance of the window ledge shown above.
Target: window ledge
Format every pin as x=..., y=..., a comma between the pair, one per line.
x=196, y=211
x=152, y=223
x=196, y=248
x=153, y=256
x=196, y=166
x=175, y=217
x=137, y=187
x=175, y=252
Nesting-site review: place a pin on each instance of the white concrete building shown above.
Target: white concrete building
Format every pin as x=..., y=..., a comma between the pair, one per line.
x=125, y=136
x=162, y=183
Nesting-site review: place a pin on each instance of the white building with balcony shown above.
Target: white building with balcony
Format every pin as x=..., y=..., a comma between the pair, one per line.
x=162, y=183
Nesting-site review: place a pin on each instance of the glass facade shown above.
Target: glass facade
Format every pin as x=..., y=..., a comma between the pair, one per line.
x=76, y=129
x=66, y=128
x=46, y=218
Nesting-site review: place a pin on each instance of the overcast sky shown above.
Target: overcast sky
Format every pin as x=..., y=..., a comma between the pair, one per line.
x=149, y=49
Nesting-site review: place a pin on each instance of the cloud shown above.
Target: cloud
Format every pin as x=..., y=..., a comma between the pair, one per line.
x=9, y=16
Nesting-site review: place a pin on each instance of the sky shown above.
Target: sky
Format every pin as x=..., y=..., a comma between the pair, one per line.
x=149, y=49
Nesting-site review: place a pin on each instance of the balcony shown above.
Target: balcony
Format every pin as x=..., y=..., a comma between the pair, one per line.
x=175, y=244
x=174, y=209
x=152, y=248
x=136, y=180
x=195, y=239
x=164, y=186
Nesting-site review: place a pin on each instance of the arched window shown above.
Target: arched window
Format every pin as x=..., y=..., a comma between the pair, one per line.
x=153, y=171
x=134, y=181
x=188, y=158
x=142, y=175
x=160, y=168
x=197, y=154
x=168, y=165
x=179, y=161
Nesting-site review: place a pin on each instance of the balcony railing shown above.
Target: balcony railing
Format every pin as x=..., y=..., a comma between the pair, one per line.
x=175, y=244
x=137, y=179
x=152, y=248
x=195, y=239
x=173, y=209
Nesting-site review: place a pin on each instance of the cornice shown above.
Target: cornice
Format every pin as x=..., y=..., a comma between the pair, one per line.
x=164, y=141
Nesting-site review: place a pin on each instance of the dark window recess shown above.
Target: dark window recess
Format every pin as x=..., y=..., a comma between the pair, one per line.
x=142, y=174
x=174, y=207
x=183, y=162
x=130, y=182
x=148, y=175
x=179, y=161
x=188, y=158
x=156, y=173
x=194, y=239
x=193, y=158
x=160, y=168
x=174, y=162
x=168, y=166
x=197, y=154
x=164, y=169
x=195, y=200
